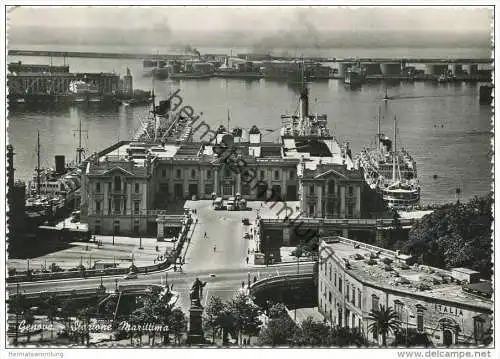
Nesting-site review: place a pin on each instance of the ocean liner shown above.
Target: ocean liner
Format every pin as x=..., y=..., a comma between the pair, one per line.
x=390, y=171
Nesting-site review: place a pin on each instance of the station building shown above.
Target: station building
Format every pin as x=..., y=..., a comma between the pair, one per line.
x=126, y=186
x=452, y=307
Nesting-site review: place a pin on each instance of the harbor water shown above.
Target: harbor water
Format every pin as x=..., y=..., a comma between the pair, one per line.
x=443, y=126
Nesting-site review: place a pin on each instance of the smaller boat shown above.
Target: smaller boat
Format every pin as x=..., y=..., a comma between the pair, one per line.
x=82, y=91
x=354, y=76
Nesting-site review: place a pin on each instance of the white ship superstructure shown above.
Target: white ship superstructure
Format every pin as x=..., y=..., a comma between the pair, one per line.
x=392, y=172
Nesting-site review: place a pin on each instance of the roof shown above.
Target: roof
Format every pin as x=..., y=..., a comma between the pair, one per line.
x=324, y=171
x=481, y=288
x=426, y=282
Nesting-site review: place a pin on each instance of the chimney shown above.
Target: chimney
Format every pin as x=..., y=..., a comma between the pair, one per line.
x=255, y=135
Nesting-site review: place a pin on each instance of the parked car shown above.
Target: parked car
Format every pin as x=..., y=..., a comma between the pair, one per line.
x=245, y=221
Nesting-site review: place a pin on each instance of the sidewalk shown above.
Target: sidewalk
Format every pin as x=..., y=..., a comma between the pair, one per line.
x=121, y=254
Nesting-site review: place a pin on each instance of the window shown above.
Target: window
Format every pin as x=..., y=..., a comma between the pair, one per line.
x=330, y=273
x=98, y=207
x=137, y=188
x=209, y=173
x=246, y=189
x=420, y=320
x=311, y=189
x=136, y=207
x=375, y=302
x=340, y=284
x=209, y=188
x=398, y=308
x=350, y=191
x=359, y=298
x=261, y=174
x=347, y=291
x=331, y=187
x=118, y=183
x=353, y=299
x=117, y=204
x=292, y=175
x=227, y=173
x=193, y=174
x=311, y=210
x=178, y=173
x=330, y=297
x=335, y=279
x=98, y=187
x=136, y=228
x=109, y=206
x=164, y=173
x=276, y=175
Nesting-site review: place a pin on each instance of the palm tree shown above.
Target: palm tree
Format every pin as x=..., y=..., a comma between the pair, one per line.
x=385, y=321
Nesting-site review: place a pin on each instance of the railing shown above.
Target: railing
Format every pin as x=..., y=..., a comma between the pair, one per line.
x=288, y=279
x=105, y=272
x=345, y=221
x=368, y=247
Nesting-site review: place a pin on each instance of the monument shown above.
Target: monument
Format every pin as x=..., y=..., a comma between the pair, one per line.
x=195, y=334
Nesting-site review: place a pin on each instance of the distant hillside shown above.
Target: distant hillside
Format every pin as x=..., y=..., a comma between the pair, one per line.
x=303, y=38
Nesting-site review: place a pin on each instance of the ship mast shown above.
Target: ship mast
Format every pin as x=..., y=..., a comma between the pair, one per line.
x=303, y=102
x=79, y=149
x=394, y=154
x=38, y=163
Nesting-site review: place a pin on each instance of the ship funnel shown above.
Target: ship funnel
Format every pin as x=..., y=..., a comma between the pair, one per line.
x=304, y=103
x=60, y=163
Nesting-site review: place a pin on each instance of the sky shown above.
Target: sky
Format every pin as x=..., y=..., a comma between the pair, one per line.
x=256, y=22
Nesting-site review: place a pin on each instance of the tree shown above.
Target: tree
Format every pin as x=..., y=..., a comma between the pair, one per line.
x=178, y=324
x=246, y=315
x=279, y=331
x=277, y=310
x=312, y=333
x=212, y=315
x=384, y=321
x=50, y=307
x=411, y=338
x=29, y=319
x=85, y=313
x=455, y=235
x=347, y=337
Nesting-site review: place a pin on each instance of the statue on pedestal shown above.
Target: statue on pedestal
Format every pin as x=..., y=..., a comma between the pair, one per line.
x=196, y=292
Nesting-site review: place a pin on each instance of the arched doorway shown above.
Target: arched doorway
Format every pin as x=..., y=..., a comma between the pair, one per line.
x=447, y=337
x=450, y=330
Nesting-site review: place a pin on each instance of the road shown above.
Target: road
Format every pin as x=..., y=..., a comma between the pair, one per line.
x=228, y=262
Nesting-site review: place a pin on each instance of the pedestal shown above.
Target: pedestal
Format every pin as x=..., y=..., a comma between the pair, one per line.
x=195, y=333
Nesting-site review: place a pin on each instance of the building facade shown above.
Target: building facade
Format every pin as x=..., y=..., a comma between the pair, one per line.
x=449, y=307
x=331, y=191
x=124, y=185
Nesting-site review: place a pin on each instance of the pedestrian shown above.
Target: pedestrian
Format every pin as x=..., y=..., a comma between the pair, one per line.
x=215, y=248
x=242, y=284
x=248, y=252
x=247, y=260
x=175, y=268
x=205, y=235
x=254, y=279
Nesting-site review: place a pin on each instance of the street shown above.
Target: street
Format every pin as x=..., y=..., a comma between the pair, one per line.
x=227, y=263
